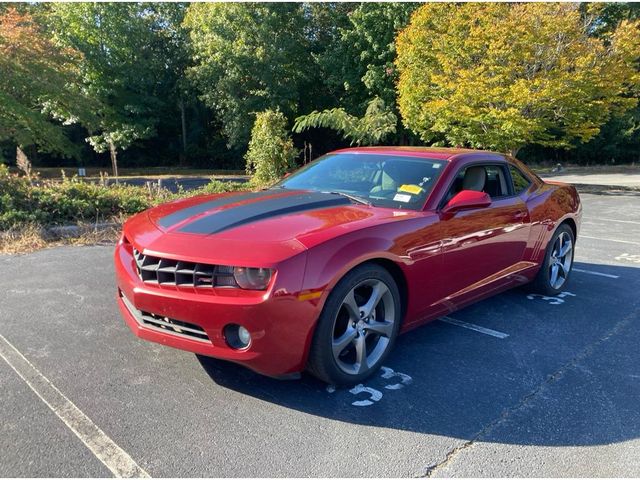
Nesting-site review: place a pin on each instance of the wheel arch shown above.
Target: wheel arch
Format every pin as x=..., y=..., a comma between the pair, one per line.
x=539, y=283
x=312, y=361
x=328, y=266
x=572, y=224
x=398, y=276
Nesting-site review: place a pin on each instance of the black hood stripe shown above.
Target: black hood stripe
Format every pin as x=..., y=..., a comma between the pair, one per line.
x=182, y=215
x=236, y=216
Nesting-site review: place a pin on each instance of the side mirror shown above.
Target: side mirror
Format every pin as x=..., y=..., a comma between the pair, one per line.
x=466, y=200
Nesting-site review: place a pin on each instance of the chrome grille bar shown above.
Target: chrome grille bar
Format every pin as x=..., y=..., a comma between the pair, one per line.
x=163, y=271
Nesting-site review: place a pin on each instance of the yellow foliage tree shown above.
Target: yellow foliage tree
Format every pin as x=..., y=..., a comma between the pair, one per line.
x=501, y=76
x=39, y=84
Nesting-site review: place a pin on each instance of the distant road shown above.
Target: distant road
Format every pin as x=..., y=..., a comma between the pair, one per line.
x=627, y=179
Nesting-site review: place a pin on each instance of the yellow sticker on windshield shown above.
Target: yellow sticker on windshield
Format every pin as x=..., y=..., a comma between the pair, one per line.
x=413, y=189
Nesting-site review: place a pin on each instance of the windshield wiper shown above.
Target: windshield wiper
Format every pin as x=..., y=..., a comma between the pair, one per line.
x=352, y=197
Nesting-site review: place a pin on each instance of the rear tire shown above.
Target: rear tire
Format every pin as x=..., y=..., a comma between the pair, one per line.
x=357, y=327
x=558, y=261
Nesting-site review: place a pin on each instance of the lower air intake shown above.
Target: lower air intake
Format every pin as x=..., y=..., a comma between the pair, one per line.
x=166, y=324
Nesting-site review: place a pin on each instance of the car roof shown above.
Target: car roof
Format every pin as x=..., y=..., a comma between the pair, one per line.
x=439, y=153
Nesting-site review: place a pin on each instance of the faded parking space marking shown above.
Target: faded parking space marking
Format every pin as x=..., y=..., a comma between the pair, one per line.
x=614, y=220
x=610, y=240
x=374, y=395
x=556, y=300
x=625, y=257
x=600, y=274
x=106, y=450
x=474, y=327
x=388, y=373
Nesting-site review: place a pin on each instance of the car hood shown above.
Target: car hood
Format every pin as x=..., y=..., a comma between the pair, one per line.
x=251, y=226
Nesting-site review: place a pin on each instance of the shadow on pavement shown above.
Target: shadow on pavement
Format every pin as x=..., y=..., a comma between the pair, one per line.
x=568, y=374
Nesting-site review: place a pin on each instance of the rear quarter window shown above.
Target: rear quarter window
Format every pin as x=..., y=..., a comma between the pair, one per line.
x=520, y=181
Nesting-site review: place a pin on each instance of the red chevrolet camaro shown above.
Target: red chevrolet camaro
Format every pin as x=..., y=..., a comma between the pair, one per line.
x=323, y=271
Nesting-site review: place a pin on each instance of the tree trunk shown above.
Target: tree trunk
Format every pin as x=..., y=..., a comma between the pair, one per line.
x=114, y=159
x=183, y=120
x=514, y=151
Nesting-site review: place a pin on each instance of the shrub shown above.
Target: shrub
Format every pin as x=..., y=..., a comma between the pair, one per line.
x=216, y=186
x=271, y=152
x=69, y=201
x=73, y=200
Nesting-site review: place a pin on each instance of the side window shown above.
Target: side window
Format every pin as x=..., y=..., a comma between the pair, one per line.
x=520, y=181
x=456, y=187
x=496, y=183
x=491, y=179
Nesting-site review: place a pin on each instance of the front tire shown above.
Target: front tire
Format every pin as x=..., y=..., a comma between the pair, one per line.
x=357, y=327
x=558, y=261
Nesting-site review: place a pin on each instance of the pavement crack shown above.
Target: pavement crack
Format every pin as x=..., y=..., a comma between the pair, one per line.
x=583, y=354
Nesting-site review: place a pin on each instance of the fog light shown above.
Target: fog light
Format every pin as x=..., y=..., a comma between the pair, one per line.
x=237, y=336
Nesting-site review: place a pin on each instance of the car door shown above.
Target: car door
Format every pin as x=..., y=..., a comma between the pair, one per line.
x=483, y=247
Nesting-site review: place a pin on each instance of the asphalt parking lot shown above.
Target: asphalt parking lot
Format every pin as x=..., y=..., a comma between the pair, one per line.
x=514, y=385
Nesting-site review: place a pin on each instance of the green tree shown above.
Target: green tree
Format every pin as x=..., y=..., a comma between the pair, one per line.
x=619, y=138
x=358, y=64
x=604, y=18
x=271, y=152
x=248, y=58
x=130, y=64
x=502, y=76
x=40, y=88
x=377, y=123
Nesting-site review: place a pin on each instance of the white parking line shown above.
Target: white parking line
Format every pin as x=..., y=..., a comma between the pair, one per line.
x=591, y=272
x=613, y=220
x=609, y=239
x=111, y=455
x=472, y=326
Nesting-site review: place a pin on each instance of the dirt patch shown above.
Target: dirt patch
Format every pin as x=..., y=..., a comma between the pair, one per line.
x=30, y=238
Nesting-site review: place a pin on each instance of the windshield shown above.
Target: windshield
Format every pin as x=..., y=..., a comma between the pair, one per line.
x=382, y=180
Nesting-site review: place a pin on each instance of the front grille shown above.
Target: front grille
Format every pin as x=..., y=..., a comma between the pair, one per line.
x=162, y=271
x=165, y=324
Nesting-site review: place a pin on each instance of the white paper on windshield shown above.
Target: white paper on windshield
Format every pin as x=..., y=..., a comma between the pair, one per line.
x=402, y=198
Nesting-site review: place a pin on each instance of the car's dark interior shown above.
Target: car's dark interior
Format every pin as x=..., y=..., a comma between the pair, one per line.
x=489, y=179
x=393, y=175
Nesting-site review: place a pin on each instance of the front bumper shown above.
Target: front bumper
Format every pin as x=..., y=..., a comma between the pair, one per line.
x=281, y=325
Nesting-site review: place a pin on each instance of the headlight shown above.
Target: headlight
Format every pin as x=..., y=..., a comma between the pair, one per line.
x=252, y=278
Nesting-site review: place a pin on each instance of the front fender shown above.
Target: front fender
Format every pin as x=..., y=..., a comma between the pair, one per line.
x=328, y=263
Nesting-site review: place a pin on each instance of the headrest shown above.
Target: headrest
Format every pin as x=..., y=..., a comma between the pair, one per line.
x=474, y=179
